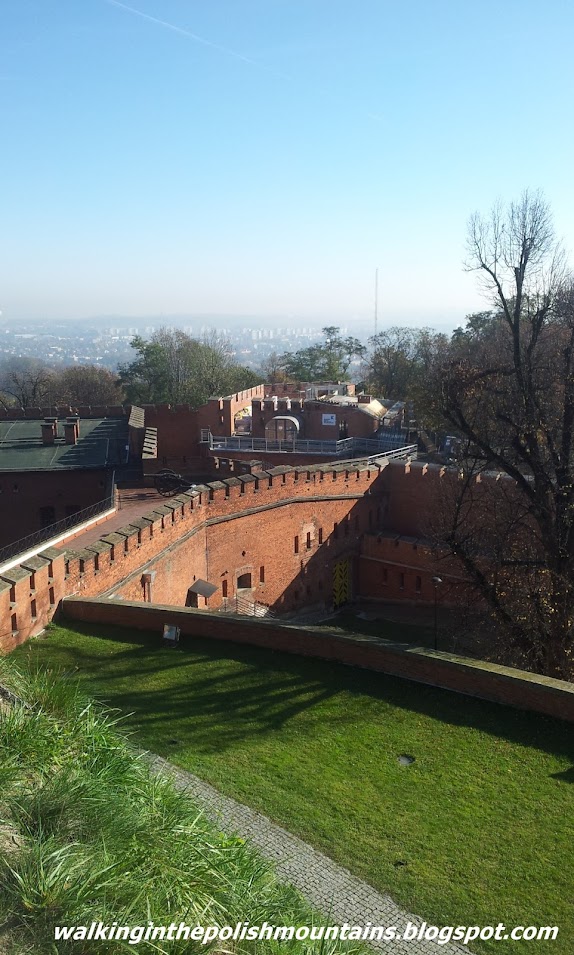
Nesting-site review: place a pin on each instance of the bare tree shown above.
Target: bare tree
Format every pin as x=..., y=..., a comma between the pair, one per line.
x=509, y=392
x=25, y=383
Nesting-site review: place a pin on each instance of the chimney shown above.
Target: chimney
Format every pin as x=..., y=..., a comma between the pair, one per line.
x=49, y=430
x=70, y=432
x=72, y=429
x=48, y=436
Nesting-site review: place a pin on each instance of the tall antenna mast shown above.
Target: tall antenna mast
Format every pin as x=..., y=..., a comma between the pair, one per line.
x=376, y=298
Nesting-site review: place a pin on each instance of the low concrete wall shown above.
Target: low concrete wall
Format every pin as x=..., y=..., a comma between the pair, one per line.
x=517, y=688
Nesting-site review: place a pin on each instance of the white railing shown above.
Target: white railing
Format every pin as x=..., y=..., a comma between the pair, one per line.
x=387, y=445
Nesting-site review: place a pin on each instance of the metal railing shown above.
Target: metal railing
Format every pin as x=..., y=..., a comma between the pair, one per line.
x=347, y=446
x=53, y=531
x=247, y=607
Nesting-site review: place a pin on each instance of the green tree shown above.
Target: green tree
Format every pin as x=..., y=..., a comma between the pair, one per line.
x=175, y=368
x=328, y=361
x=146, y=380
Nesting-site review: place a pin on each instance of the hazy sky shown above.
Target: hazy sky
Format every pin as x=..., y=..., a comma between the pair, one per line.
x=265, y=156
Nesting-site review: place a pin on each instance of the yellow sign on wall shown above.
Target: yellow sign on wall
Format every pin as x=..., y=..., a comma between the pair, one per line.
x=342, y=582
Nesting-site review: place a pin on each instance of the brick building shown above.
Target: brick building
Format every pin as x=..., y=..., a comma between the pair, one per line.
x=53, y=466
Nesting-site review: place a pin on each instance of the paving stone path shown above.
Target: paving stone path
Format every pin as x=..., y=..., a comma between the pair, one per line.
x=331, y=889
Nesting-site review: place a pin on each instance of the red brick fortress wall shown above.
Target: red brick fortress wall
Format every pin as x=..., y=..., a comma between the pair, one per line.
x=285, y=530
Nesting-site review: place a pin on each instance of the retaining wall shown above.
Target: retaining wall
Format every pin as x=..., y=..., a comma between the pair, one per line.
x=486, y=681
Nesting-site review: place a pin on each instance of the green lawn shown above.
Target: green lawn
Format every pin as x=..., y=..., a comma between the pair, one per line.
x=478, y=830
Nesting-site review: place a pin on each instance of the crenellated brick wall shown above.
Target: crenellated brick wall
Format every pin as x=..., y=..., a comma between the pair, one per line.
x=284, y=526
x=283, y=529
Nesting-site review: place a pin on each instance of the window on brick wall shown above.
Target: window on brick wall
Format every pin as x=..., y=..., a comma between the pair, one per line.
x=320, y=535
x=33, y=609
x=47, y=515
x=308, y=540
x=224, y=588
x=262, y=575
x=244, y=582
x=401, y=581
x=52, y=597
x=296, y=545
x=418, y=585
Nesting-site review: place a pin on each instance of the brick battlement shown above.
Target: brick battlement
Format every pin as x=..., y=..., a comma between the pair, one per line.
x=187, y=537
x=274, y=535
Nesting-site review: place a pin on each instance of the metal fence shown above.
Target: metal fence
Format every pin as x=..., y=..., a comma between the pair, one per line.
x=53, y=531
x=346, y=447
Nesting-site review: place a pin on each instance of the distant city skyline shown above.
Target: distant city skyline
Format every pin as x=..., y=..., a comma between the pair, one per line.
x=249, y=158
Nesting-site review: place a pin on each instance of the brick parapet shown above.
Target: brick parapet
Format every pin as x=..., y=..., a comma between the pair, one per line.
x=328, y=509
x=463, y=675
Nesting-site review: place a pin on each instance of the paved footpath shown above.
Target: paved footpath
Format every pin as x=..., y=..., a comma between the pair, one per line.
x=331, y=889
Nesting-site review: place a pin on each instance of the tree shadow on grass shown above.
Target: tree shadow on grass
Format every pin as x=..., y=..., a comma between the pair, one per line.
x=215, y=693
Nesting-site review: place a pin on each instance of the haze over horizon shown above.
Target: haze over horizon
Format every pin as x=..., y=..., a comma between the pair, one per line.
x=260, y=158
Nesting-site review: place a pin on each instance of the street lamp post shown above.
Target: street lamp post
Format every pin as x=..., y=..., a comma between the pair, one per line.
x=437, y=581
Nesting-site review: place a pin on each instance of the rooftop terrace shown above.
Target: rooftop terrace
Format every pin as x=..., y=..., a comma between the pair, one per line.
x=101, y=443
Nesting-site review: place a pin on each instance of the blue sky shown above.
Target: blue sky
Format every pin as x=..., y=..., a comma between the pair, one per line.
x=263, y=157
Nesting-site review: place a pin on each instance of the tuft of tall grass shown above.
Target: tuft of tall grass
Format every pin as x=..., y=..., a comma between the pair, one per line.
x=93, y=834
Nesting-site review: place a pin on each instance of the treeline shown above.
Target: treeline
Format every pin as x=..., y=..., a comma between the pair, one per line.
x=392, y=365
x=170, y=368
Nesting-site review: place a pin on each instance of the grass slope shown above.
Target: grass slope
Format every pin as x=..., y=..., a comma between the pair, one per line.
x=477, y=831
x=89, y=833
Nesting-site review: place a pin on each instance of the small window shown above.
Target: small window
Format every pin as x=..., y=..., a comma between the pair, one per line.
x=33, y=609
x=47, y=516
x=296, y=545
x=320, y=535
x=14, y=623
x=224, y=588
x=401, y=581
x=52, y=598
x=262, y=575
x=308, y=540
x=418, y=585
